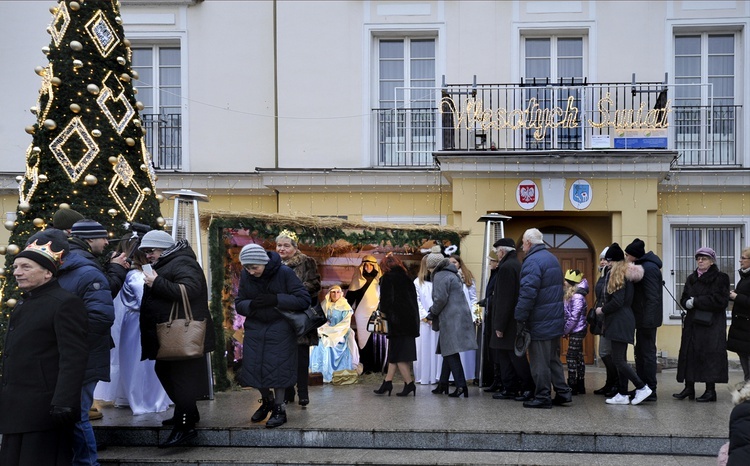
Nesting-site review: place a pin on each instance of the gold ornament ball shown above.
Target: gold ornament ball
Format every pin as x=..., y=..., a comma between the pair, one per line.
x=53, y=9
x=112, y=212
x=130, y=142
x=75, y=108
x=9, y=225
x=76, y=46
x=29, y=129
x=139, y=105
x=56, y=81
x=144, y=167
x=112, y=160
x=160, y=221
x=96, y=133
x=93, y=89
x=11, y=303
x=42, y=178
x=36, y=150
x=118, y=20
x=24, y=206
x=75, y=6
x=19, y=178
x=125, y=77
x=45, y=50
x=137, y=122
x=77, y=64
x=135, y=74
x=34, y=110
x=3, y=250
x=50, y=124
x=65, y=205
x=90, y=180
x=37, y=222
x=121, y=60
x=160, y=198
x=39, y=70
x=126, y=42
x=2, y=271
x=13, y=249
x=147, y=191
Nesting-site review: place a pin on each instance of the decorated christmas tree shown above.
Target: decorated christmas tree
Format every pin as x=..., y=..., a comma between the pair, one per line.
x=88, y=151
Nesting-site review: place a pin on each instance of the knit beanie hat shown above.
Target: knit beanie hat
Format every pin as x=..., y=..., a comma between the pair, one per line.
x=614, y=253
x=434, y=257
x=156, y=239
x=603, y=255
x=708, y=252
x=47, y=248
x=636, y=249
x=64, y=219
x=253, y=254
x=88, y=229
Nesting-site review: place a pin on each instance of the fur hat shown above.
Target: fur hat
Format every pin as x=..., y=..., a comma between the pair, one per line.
x=47, y=248
x=507, y=242
x=88, y=229
x=64, y=219
x=708, y=252
x=636, y=249
x=156, y=239
x=614, y=253
x=434, y=257
x=253, y=254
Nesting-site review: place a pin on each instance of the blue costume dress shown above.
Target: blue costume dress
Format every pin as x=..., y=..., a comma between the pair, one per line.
x=337, y=349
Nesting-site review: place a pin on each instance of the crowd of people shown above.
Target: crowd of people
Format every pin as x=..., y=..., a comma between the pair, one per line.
x=79, y=320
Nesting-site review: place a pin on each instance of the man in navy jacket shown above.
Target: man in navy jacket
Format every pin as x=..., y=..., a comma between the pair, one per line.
x=540, y=310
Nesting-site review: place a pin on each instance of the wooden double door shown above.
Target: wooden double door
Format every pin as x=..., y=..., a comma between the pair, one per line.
x=580, y=259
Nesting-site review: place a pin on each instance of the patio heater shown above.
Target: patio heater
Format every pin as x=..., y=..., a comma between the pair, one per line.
x=491, y=220
x=186, y=225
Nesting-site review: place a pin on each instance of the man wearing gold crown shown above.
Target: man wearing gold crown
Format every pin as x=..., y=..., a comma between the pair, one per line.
x=44, y=360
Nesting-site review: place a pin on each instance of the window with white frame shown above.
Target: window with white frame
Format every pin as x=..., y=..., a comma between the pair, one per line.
x=160, y=90
x=551, y=65
x=704, y=101
x=407, y=105
x=724, y=239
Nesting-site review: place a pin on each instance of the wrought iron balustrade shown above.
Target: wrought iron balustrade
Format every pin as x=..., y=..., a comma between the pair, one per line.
x=164, y=139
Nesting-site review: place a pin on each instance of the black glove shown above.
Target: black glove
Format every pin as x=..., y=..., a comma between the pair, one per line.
x=521, y=327
x=265, y=300
x=63, y=416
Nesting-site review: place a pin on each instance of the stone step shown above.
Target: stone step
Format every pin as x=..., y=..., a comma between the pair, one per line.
x=238, y=456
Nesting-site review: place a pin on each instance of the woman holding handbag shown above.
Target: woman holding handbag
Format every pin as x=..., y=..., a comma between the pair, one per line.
x=269, y=353
x=703, y=345
x=174, y=266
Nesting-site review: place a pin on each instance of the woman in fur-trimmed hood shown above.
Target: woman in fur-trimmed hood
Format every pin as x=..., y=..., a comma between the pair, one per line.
x=619, y=322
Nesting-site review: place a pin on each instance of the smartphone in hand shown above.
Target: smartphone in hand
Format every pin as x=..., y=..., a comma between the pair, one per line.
x=147, y=269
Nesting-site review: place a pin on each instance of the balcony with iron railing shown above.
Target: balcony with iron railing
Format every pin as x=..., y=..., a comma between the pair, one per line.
x=557, y=116
x=164, y=140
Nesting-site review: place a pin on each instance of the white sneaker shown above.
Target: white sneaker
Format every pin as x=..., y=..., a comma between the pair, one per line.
x=618, y=400
x=641, y=394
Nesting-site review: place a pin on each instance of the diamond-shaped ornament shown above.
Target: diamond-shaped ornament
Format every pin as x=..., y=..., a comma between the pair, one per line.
x=128, y=196
x=60, y=23
x=105, y=99
x=102, y=33
x=32, y=175
x=73, y=169
x=46, y=94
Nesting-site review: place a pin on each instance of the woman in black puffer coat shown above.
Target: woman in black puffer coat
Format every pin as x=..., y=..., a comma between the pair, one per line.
x=703, y=348
x=739, y=331
x=398, y=301
x=269, y=354
x=175, y=264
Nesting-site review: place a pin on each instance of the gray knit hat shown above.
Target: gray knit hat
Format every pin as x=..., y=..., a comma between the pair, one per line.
x=253, y=254
x=156, y=239
x=434, y=257
x=88, y=229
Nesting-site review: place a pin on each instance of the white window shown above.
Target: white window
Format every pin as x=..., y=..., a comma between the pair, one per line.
x=407, y=104
x=680, y=259
x=705, y=112
x=160, y=90
x=551, y=64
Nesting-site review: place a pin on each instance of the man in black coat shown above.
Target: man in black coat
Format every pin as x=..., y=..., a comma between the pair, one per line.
x=648, y=310
x=44, y=360
x=515, y=370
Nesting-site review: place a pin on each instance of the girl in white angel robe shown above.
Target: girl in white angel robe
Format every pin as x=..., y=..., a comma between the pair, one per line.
x=337, y=349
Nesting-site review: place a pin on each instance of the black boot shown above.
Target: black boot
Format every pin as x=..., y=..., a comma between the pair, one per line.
x=440, y=389
x=304, y=398
x=183, y=431
x=277, y=418
x=266, y=406
x=613, y=378
x=687, y=392
x=709, y=394
x=387, y=386
x=581, y=386
x=460, y=391
x=408, y=388
x=573, y=386
x=497, y=382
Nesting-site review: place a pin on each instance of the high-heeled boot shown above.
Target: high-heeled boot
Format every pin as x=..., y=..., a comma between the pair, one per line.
x=460, y=391
x=709, y=394
x=497, y=382
x=687, y=392
x=387, y=386
x=408, y=388
x=440, y=389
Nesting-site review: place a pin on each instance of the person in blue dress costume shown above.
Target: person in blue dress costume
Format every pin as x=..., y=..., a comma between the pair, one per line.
x=337, y=349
